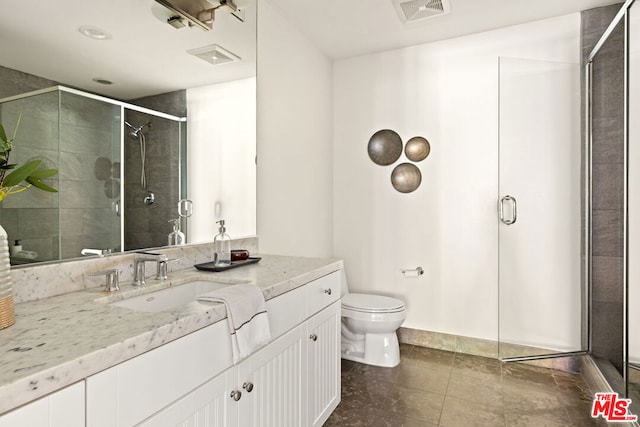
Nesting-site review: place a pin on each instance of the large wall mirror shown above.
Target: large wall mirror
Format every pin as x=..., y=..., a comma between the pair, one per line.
x=137, y=108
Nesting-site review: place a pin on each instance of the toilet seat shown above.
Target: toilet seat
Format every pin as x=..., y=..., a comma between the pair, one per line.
x=366, y=303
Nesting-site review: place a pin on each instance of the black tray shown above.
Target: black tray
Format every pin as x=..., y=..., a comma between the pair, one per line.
x=209, y=266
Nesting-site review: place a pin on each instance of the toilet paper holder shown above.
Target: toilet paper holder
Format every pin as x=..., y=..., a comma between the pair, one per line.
x=419, y=271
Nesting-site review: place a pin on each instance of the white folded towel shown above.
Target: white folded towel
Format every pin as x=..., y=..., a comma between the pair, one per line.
x=246, y=315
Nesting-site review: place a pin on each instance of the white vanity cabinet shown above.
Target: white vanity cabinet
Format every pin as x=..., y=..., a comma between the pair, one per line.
x=323, y=366
x=292, y=381
x=264, y=389
x=64, y=408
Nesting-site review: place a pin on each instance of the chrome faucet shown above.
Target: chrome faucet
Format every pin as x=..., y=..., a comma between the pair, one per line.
x=139, y=261
x=99, y=252
x=112, y=281
x=161, y=271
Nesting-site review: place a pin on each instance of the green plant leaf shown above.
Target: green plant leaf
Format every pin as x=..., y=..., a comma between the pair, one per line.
x=7, y=167
x=21, y=174
x=3, y=134
x=41, y=174
x=38, y=184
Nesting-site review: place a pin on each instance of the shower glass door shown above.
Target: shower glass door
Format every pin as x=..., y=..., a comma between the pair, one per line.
x=632, y=358
x=541, y=296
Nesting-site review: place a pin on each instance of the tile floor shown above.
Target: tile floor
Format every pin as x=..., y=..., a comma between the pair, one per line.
x=439, y=388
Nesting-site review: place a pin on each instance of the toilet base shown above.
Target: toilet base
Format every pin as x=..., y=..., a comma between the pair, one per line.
x=376, y=349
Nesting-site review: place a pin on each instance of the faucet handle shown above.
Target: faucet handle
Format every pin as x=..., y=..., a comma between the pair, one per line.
x=161, y=271
x=112, y=282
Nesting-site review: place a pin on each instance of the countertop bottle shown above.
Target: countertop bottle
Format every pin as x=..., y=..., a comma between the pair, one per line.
x=176, y=237
x=222, y=247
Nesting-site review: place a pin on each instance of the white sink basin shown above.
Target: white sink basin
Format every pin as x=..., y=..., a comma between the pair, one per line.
x=170, y=298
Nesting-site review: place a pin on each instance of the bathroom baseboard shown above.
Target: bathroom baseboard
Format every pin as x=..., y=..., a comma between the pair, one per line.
x=488, y=348
x=454, y=343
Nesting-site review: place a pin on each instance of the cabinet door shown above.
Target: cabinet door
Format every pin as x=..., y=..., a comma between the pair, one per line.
x=208, y=406
x=275, y=375
x=64, y=408
x=323, y=355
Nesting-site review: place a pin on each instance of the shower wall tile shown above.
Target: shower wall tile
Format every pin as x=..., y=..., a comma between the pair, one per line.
x=608, y=186
x=71, y=222
x=75, y=138
x=594, y=21
x=608, y=157
x=606, y=278
x=45, y=247
x=38, y=223
x=83, y=194
x=607, y=332
x=77, y=166
x=608, y=137
x=14, y=82
x=9, y=220
x=607, y=235
x=174, y=103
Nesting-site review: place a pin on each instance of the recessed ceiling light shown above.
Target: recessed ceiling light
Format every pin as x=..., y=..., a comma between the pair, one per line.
x=94, y=32
x=102, y=81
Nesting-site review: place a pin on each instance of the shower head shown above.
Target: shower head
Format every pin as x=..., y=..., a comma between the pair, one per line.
x=135, y=132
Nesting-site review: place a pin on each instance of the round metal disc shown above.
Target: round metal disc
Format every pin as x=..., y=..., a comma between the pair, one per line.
x=102, y=168
x=406, y=177
x=417, y=149
x=112, y=188
x=385, y=147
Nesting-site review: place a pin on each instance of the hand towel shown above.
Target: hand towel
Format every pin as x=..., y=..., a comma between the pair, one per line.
x=246, y=316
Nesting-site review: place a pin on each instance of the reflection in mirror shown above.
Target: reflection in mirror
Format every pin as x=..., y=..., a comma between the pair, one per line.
x=120, y=184
x=83, y=136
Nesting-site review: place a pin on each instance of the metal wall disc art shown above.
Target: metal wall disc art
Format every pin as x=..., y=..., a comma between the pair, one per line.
x=102, y=168
x=385, y=147
x=406, y=177
x=112, y=188
x=417, y=149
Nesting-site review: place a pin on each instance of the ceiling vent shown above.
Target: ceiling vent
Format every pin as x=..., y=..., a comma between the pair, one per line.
x=416, y=10
x=214, y=54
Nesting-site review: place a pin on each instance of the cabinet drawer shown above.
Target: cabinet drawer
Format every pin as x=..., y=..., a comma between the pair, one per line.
x=64, y=408
x=286, y=311
x=322, y=292
x=130, y=392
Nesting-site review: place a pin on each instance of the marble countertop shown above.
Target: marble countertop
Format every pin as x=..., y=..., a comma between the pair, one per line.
x=60, y=340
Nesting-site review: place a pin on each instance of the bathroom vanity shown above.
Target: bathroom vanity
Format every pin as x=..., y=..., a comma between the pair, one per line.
x=115, y=366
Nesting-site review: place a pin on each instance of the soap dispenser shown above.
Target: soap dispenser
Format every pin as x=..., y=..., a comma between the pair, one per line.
x=176, y=237
x=17, y=247
x=222, y=247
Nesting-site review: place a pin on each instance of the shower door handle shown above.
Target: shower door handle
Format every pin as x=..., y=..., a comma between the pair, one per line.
x=514, y=210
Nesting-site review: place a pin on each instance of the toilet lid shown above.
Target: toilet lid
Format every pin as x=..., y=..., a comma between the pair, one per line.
x=372, y=303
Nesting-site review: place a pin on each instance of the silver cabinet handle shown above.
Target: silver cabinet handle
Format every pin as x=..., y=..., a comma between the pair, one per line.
x=327, y=291
x=248, y=387
x=514, y=210
x=236, y=395
x=313, y=337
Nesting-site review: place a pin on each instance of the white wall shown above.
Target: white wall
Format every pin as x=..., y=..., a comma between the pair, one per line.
x=295, y=176
x=446, y=92
x=221, y=151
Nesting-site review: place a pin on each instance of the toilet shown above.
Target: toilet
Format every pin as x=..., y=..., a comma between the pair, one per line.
x=369, y=325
